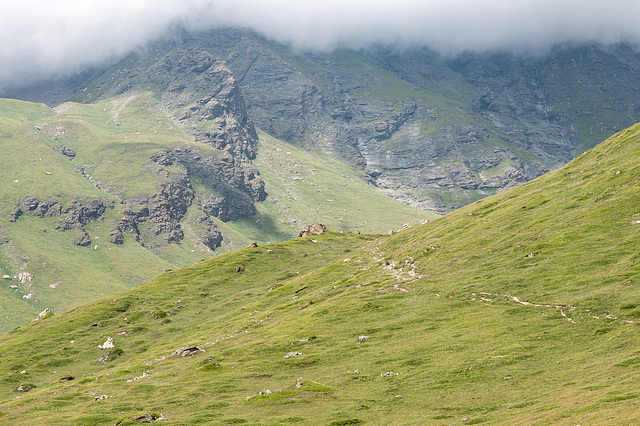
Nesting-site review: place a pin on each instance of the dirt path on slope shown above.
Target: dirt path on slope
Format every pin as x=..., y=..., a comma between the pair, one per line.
x=562, y=308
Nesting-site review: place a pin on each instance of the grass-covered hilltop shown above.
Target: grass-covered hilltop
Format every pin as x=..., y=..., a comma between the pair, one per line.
x=522, y=308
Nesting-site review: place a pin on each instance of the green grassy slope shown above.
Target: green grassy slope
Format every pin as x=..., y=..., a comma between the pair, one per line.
x=522, y=308
x=113, y=141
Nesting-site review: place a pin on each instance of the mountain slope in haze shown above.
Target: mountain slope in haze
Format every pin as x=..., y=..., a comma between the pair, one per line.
x=431, y=130
x=97, y=198
x=522, y=308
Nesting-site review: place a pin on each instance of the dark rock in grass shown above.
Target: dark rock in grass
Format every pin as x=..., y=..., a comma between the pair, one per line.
x=87, y=210
x=210, y=364
x=144, y=418
x=51, y=208
x=29, y=203
x=15, y=214
x=116, y=237
x=104, y=358
x=84, y=239
x=67, y=152
x=188, y=351
x=66, y=379
x=110, y=356
x=163, y=158
x=211, y=236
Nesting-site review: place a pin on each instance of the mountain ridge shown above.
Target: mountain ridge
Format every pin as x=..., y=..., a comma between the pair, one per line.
x=431, y=130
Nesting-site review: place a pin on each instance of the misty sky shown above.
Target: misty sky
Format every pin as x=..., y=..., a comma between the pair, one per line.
x=48, y=38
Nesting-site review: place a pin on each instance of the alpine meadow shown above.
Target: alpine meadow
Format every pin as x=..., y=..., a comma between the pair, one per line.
x=219, y=228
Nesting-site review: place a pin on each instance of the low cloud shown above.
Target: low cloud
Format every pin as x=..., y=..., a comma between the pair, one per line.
x=44, y=39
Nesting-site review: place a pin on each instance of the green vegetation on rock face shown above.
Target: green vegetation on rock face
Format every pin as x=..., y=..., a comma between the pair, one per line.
x=522, y=308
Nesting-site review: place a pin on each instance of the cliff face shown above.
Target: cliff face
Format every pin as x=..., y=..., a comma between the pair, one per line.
x=439, y=132
x=436, y=132
x=200, y=95
x=433, y=131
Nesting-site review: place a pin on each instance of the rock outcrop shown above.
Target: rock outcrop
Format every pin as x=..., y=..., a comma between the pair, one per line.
x=211, y=235
x=315, y=229
x=74, y=216
x=201, y=94
x=187, y=351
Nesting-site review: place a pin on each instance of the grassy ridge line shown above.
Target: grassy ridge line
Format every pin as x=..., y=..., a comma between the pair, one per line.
x=442, y=342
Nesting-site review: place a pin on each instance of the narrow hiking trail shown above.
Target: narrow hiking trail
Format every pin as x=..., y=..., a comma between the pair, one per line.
x=563, y=309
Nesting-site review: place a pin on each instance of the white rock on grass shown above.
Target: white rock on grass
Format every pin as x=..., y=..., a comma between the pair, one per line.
x=108, y=344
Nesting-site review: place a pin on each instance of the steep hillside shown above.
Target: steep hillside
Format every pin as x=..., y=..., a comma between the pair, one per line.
x=97, y=198
x=521, y=308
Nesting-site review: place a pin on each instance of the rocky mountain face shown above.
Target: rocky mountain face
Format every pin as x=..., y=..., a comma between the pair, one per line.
x=430, y=130
x=198, y=93
x=438, y=132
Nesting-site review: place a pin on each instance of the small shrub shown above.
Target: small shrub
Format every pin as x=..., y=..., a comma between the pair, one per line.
x=369, y=307
x=159, y=314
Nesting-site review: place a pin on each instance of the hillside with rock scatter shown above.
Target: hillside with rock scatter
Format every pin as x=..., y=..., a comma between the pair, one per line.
x=521, y=308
